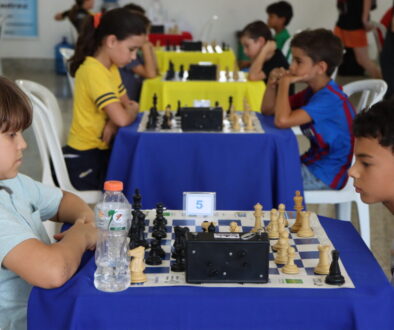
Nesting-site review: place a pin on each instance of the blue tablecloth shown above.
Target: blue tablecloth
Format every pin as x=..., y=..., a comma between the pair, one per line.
x=78, y=305
x=242, y=169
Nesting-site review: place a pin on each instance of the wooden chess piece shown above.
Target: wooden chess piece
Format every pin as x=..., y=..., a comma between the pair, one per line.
x=282, y=214
x=335, y=277
x=258, y=214
x=227, y=73
x=305, y=229
x=249, y=124
x=290, y=267
x=284, y=235
x=235, y=123
x=281, y=256
x=137, y=265
x=273, y=214
x=298, y=207
x=274, y=228
x=234, y=228
x=235, y=72
x=323, y=267
x=205, y=225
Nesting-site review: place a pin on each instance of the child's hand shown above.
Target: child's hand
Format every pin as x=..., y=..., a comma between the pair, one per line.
x=291, y=79
x=81, y=227
x=109, y=131
x=275, y=76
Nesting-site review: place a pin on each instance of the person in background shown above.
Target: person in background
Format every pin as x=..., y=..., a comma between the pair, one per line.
x=77, y=13
x=352, y=27
x=101, y=104
x=387, y=59
x=27, y=256
x=258, y=44
x=279, y=16
x=144, y=66
x=323, y=110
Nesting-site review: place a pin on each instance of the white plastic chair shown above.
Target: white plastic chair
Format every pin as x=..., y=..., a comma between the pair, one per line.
x=373, y=91
x=47, y=97
x=50, y=149
x=286, y=50
x=67, y=53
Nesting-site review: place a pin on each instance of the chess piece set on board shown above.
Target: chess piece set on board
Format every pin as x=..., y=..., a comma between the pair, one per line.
x=163, y=121
x=284, y=254
x=213, y=47
x=234, y=118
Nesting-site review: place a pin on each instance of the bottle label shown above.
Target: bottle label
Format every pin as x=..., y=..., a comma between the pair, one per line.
x=113, y=220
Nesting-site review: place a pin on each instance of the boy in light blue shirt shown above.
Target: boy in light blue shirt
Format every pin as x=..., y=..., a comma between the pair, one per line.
x=27, y=257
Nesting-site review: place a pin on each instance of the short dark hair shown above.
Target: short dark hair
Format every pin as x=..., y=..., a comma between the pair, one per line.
x=257, y=29
x=320, y=45
x=134, y=7
x=376, y=122
x=281, y=9
x=15, y=107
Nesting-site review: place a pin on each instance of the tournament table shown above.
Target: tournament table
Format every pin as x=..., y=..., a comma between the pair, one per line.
x=242, y=168
x=170, y=92
x=79, y=305
x=223, y=60
x=170, y=39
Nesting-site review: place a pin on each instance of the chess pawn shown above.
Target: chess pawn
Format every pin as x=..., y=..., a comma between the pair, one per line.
x=227, y=73
x=258, y=214
x=137, y=265
x=290, y=267
x=284, y=235
x=234, y=228
x=281, y=255
x=282, y=217
x=235, y=71
x=305, y=229
x=323, y=267
x=236, y=126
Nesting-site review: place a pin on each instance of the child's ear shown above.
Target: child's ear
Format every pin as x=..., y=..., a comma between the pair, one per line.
x=110, y=41
x=322, y=67
x=261, y=41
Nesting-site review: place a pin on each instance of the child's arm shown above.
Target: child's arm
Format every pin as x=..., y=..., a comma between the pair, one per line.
x=268, y=104
x=365, y=15
x=285, y=117
x=122, y=113
x=149, y=68
x=50, y=266
x=256, y=69
x=71, y=208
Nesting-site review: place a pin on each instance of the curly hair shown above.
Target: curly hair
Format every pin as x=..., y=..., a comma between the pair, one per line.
x=377, y=122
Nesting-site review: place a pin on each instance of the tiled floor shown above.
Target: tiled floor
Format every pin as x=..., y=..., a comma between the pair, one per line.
x=382, y=222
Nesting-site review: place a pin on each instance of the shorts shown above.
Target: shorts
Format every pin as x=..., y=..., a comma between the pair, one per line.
x=310, y=181
x=87, y=169
x=352, y=38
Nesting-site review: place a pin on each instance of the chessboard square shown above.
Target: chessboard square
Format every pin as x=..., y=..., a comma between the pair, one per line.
x=241, y=214
x=226, y=222
x=309, y=254
x=310, y=270
x=246, y=229
x=168, y=229
x=271, y=256
x=166, y=241
x=156, y=270
x=273, y=271
x=299, y=263
x=307, y=247
x=311, y=240
x=311, y=263
x=266, y=222
x=167, y=256
x=183, y=222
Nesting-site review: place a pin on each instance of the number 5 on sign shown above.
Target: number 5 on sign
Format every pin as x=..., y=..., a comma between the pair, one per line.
x=199, y=203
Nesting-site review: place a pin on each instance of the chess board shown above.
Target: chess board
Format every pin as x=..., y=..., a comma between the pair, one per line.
x=307, y=254
x=176, y=124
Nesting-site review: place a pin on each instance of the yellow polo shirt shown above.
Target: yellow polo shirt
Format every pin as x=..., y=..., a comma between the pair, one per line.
x=95, y=87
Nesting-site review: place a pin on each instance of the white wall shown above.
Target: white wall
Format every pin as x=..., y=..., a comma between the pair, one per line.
x=192, y=14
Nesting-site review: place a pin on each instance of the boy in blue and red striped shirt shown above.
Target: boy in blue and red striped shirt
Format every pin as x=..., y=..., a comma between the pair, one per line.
x=322, y=110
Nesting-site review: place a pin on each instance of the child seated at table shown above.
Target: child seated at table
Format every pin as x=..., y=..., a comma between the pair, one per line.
x=373, y=170
x=279, y=16
x=27, y=257
x=101, y=104
x=258, y=44
x=322, y=109
x=144, y=66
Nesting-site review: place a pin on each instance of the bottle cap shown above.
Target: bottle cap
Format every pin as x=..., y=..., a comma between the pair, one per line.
x=113, y=185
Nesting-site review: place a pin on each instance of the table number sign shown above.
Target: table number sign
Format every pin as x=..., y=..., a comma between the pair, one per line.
x=199, y=203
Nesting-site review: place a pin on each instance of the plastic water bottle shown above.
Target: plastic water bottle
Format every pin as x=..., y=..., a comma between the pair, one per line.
x=113, y=217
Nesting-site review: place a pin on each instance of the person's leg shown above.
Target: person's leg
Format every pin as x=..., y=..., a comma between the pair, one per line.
x=387, y=64
x=362, y=58
x=310, y=181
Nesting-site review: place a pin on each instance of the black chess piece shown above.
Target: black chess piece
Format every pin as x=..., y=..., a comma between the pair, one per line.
x=178, y=110
x=224, y=46
x=211, y=228
x=179, y=265
x=137, y=198
x=168, y=46
x=181, y=72
x=230, y=104
x=335, y=277
x=174, y=47
x=216, y=104
x=170, y=75
x=165, y=124
x=154, y=254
